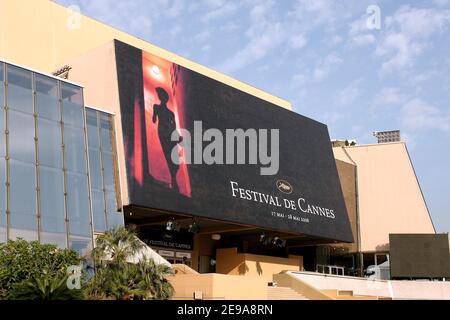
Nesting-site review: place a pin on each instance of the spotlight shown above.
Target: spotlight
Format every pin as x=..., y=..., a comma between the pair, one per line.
x=171, y=225
x=155, y=70
x=275, y=240
x=279, y=242
x=193, y=227
x=262, y=237
x=216, y=237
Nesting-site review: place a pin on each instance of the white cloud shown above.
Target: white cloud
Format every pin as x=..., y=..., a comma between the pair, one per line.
x=416, y=115
x=390, y=96
x=326, y=66
x=359, y=34
x=336, y=39
x=230, y=27
x=203, y=36
x=363, y=39
x=349, y=94
x=224, y=9
x=298, y=81
x=264, y=35
x=441, y=3
x=297, y=41
x=407, y=33
x=257, y=48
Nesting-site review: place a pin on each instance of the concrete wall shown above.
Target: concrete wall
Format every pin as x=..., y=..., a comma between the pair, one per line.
x=392, y=289
x=219, y=286
x=44, y=35
x=389, y=196
x=229, y=261
x=347, y=177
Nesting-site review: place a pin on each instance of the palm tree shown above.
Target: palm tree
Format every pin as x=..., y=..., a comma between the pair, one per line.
x=153, y=280
x=116, y=246
x=44, y=288
x=116, y=277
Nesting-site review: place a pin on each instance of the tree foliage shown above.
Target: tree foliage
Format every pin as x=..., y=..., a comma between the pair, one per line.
x=44, y=288
x=22, y=261
x=117, y=278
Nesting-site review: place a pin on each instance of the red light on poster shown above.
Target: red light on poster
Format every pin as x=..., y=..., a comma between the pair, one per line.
x=163, y=114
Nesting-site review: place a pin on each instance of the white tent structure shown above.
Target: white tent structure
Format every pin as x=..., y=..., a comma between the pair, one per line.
x=148, y=253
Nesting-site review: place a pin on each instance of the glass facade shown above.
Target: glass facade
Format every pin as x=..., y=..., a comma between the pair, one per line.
x=53, y=187
x=102, y=155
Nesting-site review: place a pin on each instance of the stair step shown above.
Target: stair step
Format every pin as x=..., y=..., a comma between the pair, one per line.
x=284, y=293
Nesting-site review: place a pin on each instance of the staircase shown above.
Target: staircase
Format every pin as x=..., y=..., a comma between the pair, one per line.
x=348, y=295
x=283, y=293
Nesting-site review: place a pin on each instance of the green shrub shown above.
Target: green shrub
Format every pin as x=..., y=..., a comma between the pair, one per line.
x=22, y=261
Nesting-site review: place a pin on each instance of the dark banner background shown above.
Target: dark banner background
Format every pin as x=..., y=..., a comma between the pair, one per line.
x=306, y=157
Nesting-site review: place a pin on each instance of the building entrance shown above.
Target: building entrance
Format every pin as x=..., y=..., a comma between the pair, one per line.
x=176, y=257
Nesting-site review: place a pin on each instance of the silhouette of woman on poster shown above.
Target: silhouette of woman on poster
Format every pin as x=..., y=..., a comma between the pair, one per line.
x=166, y=125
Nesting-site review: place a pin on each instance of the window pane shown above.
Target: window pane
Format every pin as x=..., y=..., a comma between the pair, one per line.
x=95, y=169
x=75, y=149
x=78, y=204
x=2, y=132
x=2, y=201
x=111, y=202
x=108, y=173
x=21, y=136
x=23, y=216
x=59, y=239
x=2, y=185
x=115, y=220
x=2, y=111
x=105, y=125
x=20, y=95
x=22, y=186
x=2, y=227
x=49, y=143
x=71, y=93
x=29, y=234
x=73, y=114
x=92, y=128
x=52, y=199
x=2, y=86
x=47, y=105
x=98, y=207
x=82, y=245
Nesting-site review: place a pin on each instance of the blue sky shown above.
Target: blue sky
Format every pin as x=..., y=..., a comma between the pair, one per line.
x=321, y=56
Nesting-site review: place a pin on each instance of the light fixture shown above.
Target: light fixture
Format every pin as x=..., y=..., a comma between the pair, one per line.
x=155, y=70
x=216, y=237
x=193, y=227
x=276, y=241
x=262, y=237
x=171, y=225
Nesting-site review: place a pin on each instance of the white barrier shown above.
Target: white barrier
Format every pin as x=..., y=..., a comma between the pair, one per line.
x=395, y=289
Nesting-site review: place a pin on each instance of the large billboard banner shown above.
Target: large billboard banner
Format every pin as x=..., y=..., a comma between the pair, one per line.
x=196, y=146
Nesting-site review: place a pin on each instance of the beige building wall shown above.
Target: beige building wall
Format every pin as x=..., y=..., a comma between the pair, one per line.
x=44, y=35
x=229, y=261
x=219, y=286
x=389, y=196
